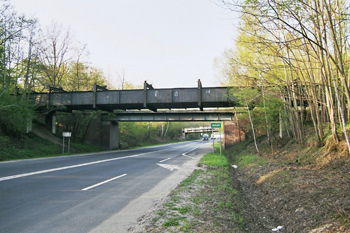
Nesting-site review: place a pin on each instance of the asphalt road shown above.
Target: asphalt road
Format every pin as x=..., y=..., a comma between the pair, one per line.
x=79, y=193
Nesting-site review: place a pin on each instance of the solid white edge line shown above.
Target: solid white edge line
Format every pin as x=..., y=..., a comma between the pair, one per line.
x=86, y=154
x=78, y=165
x=103, y=182
x=68, y=167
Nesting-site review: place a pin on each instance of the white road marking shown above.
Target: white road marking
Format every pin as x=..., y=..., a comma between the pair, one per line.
x=169, y=166
x=69, y=167
x=103, y=182
x=187, y=156
x=184, y=154
x=164, y=160
x=79, y=165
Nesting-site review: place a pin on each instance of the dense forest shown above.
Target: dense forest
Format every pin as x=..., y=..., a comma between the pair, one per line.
x=290, y=69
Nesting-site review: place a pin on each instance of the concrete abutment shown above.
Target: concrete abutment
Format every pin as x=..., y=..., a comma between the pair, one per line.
x=103, y=133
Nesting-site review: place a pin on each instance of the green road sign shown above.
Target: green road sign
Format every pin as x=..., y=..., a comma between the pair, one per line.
x=216, y=124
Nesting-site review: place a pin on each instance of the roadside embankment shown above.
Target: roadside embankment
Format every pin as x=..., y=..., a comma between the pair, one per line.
x=293, y=189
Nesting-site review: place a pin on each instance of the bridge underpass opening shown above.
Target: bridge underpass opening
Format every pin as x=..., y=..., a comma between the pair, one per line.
x=201, y=130
x=170, y=116
x=104, y=131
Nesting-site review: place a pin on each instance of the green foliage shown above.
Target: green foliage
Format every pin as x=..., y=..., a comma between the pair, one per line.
x=190, y=180
x=30, y=146
x=270, y=110
x=172, y=222
x=14, y=115
x=248, y=96
x=266, y=112
x=134, y=134
x=249, y=159
x=77, y=123
x=215, y=159
x=264, y=105
x=81, y=77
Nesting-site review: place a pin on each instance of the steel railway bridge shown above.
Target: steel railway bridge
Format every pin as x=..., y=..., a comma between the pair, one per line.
x=147, y=104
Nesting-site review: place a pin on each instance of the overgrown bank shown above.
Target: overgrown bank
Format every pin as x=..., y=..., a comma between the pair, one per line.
x=288, y=189
x=31, y=146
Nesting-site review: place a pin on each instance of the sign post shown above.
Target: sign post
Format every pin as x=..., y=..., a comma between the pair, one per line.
x=66, y=135
x=216, y=125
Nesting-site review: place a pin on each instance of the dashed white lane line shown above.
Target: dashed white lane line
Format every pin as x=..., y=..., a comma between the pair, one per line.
x=79, y=165
x=103, y=182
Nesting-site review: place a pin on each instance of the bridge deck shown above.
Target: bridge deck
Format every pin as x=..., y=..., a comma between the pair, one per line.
x=152, y=99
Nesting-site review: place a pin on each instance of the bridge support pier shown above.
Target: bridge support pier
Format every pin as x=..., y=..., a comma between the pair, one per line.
x=103, y=133
x=110, y=134
x=50, y=122
x=29, y=126
x=233, y=133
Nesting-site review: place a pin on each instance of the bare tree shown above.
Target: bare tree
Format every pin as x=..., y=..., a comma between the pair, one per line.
x=80, y=52
x=54, y=54
x=14, y=29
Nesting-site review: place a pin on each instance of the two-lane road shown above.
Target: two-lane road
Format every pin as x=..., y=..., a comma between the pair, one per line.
x=80, y=193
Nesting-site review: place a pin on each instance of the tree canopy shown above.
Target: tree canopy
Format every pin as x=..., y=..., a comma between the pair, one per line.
x=297, y=51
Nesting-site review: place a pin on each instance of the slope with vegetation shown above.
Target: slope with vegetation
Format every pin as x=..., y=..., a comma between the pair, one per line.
x=290, y=68
x=296, y=190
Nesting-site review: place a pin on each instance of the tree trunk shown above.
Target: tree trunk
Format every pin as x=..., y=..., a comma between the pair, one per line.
x=252, y=125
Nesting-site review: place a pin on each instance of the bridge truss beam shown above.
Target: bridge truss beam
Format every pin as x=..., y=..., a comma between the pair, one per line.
x=146, y=98
x=171, y=116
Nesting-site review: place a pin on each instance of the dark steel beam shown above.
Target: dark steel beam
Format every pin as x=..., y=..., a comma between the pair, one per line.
x=171, y=116
x=146, y=98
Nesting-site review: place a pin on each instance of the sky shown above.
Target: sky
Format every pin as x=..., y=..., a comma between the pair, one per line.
x=168, y=43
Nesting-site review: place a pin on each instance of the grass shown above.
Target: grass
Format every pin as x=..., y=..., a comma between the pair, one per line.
x=30, y=146
x=306, y=177
x=207, y=192
x=250, y=160
x=172, y=222
x=214, y=159
x=190, y=180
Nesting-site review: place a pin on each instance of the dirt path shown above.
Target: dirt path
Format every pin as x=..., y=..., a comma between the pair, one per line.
x=43, y=132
